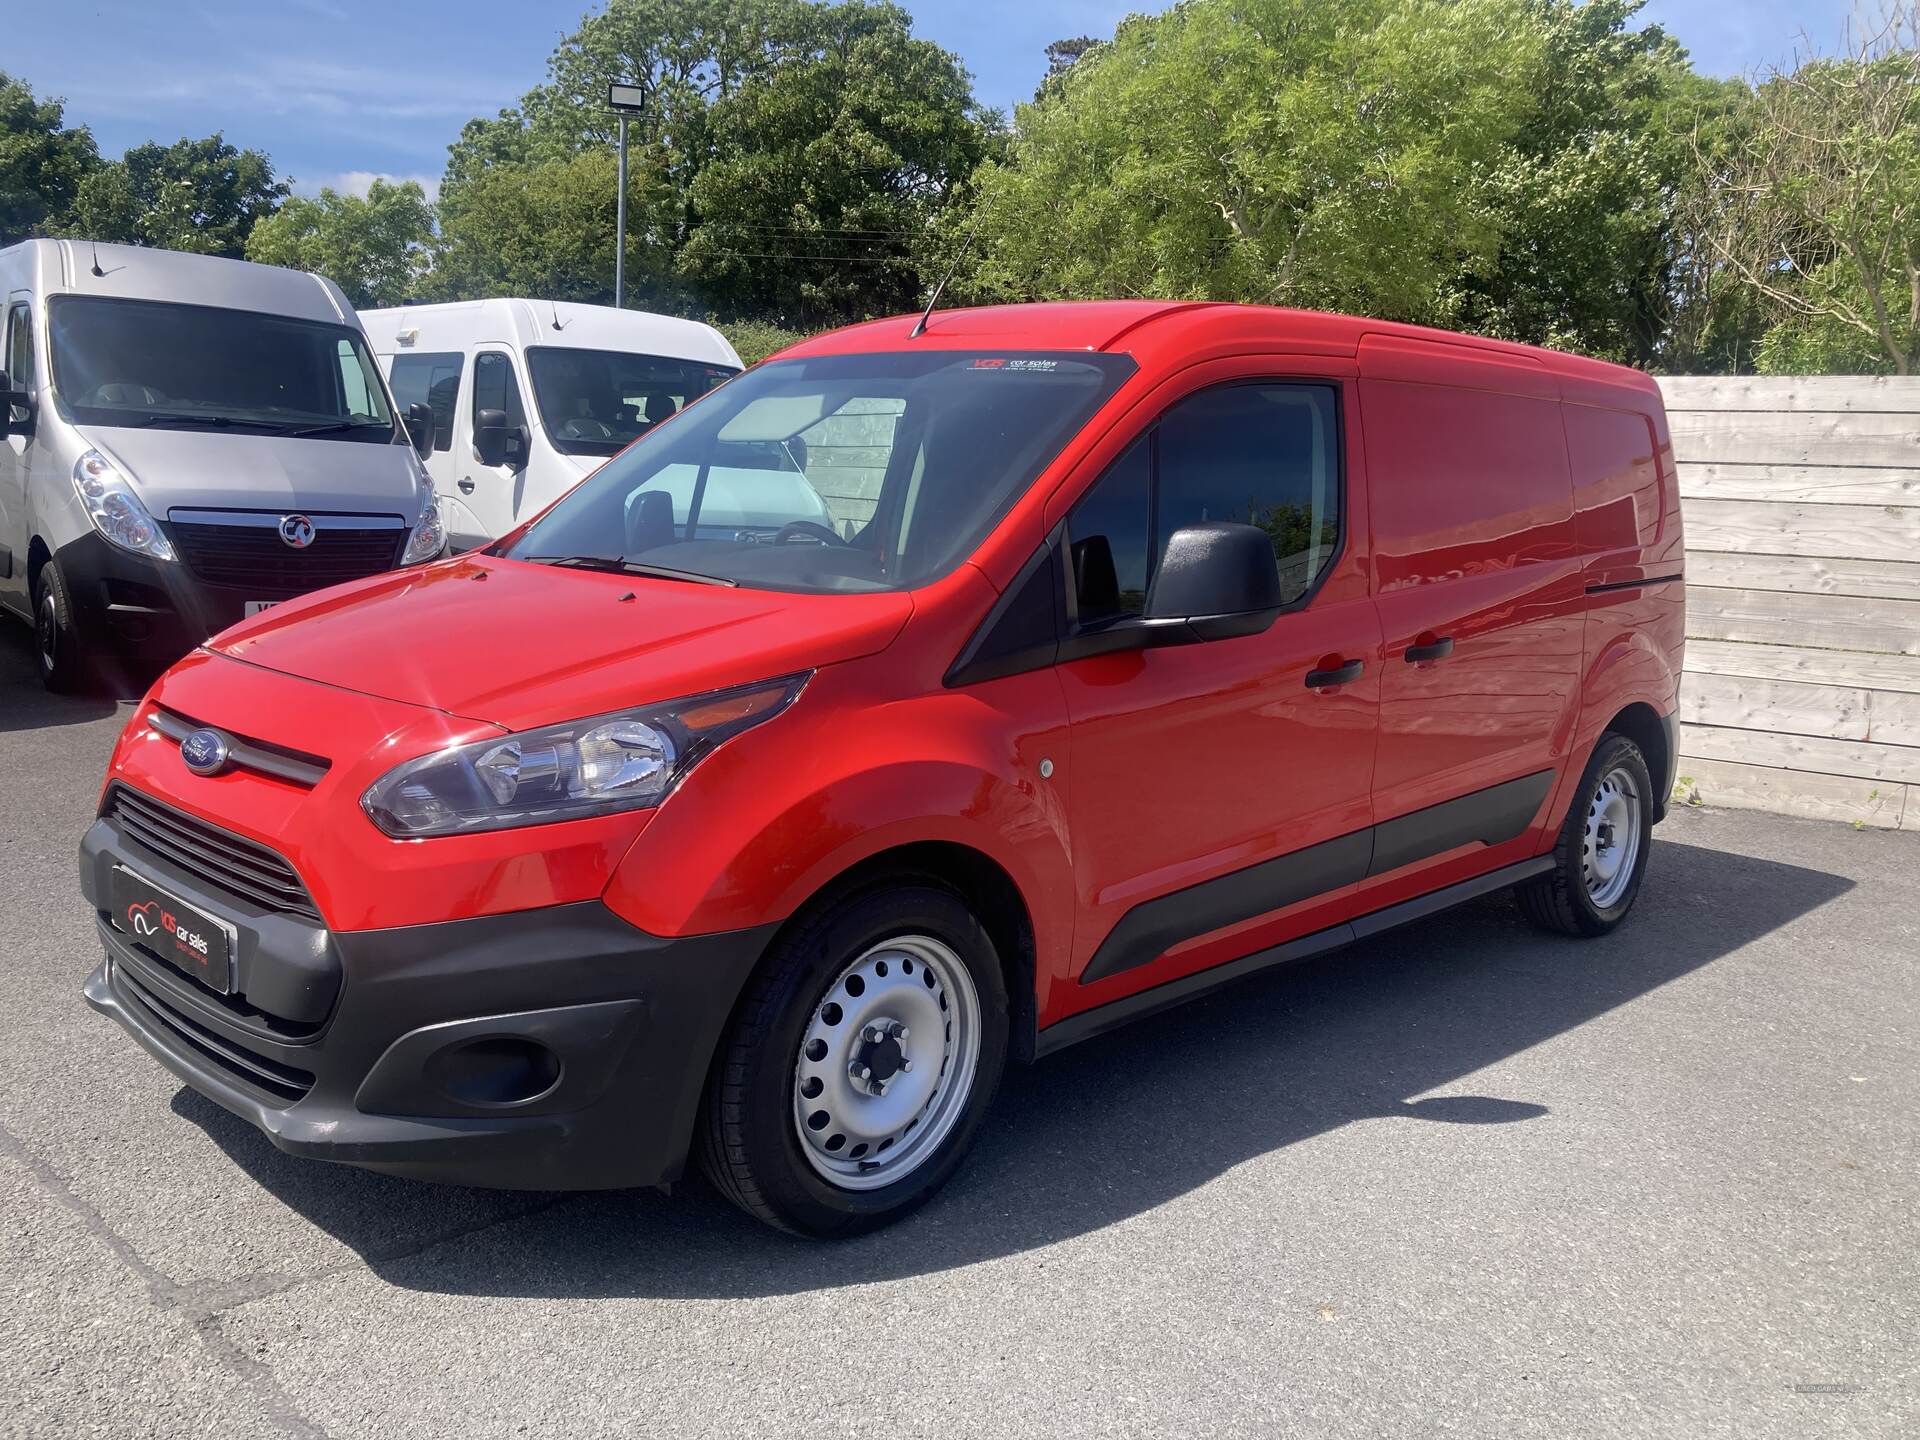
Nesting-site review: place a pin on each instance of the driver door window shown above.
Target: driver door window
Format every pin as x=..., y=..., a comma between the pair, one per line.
x=495, y=388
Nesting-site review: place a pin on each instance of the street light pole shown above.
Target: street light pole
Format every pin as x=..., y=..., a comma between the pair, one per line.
x=625, y=101
x=620, y=226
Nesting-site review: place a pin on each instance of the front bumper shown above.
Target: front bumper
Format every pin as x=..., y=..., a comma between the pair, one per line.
x=549, y=1049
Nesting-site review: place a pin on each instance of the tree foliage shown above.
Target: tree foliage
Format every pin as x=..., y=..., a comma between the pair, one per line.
x=790, y=155
x=203, y=196
x=42, y=162
x=373, y=248
x=1816, y=206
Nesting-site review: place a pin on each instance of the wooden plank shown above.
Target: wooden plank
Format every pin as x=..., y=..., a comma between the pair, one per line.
x=1795, y=792
x=1805, y=575
x=1858, y=760
x=1860, y=532
x=1808, y=484
x=1827, y=622
x=1838, y=712
x=1896, y=673
x=1855, y=393
x=1807, y=438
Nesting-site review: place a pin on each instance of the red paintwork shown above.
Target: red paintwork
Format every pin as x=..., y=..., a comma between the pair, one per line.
x=1488, y=485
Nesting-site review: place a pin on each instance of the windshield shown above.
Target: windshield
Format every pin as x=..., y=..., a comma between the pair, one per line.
x=848, y=472
x=161, y=365
x=594, y=402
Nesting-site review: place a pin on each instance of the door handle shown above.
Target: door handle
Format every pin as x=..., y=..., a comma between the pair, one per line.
x=1431, y=650
x=466, y=487
x=1335, y=675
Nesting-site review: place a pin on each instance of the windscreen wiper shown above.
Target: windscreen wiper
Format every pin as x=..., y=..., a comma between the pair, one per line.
x=620, y=565
x=329, y=428
x=219, y=421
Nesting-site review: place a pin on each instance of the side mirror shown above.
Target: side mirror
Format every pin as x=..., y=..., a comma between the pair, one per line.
x=420, y=428
x=1220, y=579
x=11, y=400
x=490, y=437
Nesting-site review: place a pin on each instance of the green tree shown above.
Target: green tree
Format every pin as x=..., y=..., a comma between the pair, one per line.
x=199, y=195
x=785, y=167
x=375, y=248
x=1816, y=208
x=42, y=162
x=1587, y=191
x=1284, y=151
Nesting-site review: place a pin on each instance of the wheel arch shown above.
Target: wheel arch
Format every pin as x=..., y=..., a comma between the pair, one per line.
x=1645, y=726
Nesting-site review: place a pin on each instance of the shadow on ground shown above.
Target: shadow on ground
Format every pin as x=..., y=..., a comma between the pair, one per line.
x=1120, y=1124
x=26, y=704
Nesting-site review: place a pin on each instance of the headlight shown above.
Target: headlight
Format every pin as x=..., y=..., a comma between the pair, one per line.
x=429, y=536
x=115, y=510
x=624, y=761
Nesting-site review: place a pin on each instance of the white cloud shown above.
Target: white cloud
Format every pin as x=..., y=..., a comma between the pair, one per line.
x=358, y=182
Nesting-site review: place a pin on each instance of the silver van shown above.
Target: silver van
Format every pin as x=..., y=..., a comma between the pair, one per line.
x=185, y=441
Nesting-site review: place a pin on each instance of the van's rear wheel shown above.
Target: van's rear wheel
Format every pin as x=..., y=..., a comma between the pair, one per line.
x=861, y=1062
x=64, y=667
x=1601, y=854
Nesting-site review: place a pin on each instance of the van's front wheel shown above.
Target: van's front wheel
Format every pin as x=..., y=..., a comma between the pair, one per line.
x=1601, y=854
x=63, y=661
x=861, y=1063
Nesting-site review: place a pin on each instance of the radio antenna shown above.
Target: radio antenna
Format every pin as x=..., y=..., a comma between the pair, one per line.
x=920, y=328
x=554, y=305
x=96, y=258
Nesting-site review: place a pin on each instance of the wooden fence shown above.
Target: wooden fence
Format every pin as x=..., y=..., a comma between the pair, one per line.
x=1802, y=504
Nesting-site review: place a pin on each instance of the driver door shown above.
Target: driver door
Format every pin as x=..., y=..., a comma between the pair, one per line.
x=488, y=499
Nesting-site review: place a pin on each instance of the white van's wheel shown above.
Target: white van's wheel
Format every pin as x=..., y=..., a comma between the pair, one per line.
x=63, y=663
x=1601, y=854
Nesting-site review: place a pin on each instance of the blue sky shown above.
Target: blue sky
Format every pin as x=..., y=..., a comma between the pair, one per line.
x=337, y=91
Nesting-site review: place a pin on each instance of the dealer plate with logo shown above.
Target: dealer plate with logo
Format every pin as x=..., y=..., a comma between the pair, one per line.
x=169, y=929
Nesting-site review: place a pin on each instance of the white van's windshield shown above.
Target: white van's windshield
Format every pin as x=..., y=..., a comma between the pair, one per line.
x=594, y=402
x=159, y=365
x=843, y=473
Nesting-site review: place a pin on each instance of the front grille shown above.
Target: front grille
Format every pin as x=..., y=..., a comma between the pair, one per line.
x=255, y=559
x=270, y=1080
x=219, y=857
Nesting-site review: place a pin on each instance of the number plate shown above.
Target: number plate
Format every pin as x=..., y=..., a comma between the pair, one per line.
x=169, y=929
x=254, y=607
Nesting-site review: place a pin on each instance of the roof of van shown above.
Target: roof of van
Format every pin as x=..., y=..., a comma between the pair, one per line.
x=1190, y=329
x=560, y=323
x=135, y=272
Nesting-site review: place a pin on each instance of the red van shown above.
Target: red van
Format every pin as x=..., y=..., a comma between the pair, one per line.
x=1145, y=646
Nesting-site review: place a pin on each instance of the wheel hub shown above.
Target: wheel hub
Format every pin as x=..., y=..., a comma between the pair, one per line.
x=1611, y=842
x=886, y=1063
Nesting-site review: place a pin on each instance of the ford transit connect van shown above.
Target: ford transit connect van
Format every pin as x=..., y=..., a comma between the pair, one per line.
x=1171, y=642
x=185, y=441
x=529, y=395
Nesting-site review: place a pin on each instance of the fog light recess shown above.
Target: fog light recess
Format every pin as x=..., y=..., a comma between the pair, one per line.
x=496, y=1070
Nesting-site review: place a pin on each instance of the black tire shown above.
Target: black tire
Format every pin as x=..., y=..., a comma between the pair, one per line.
x=1562, y=900
x=750, y=1142
x=64, y=665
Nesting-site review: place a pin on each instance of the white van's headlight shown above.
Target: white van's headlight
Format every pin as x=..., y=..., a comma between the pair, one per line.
x=115, y=510
x=429, y=536
x=624, y=761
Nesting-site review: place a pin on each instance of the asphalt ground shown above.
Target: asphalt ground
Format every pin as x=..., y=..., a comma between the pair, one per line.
x=1461, y=1180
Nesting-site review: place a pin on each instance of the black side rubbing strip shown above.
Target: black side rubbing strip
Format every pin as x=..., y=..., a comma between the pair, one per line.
x=1151, y=928
x=1633, y=584
x=1115, y=1013
x=1491, y=816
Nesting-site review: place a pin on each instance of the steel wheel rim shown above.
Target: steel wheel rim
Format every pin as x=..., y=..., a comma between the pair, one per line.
x=47, y=628
x=1610, y=848
x=908, y=999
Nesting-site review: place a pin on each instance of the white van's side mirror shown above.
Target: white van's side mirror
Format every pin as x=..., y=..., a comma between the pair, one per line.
x=420, y=428
x=11, y=400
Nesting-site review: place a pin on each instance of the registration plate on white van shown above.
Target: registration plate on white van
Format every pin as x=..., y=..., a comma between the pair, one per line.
x=254, y=607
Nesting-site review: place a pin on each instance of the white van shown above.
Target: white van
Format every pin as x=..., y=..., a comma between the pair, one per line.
x=185, y=440
x=530, y=395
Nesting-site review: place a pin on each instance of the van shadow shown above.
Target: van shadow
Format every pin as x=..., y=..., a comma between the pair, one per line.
x=26, y=704
x=1114, y=1127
